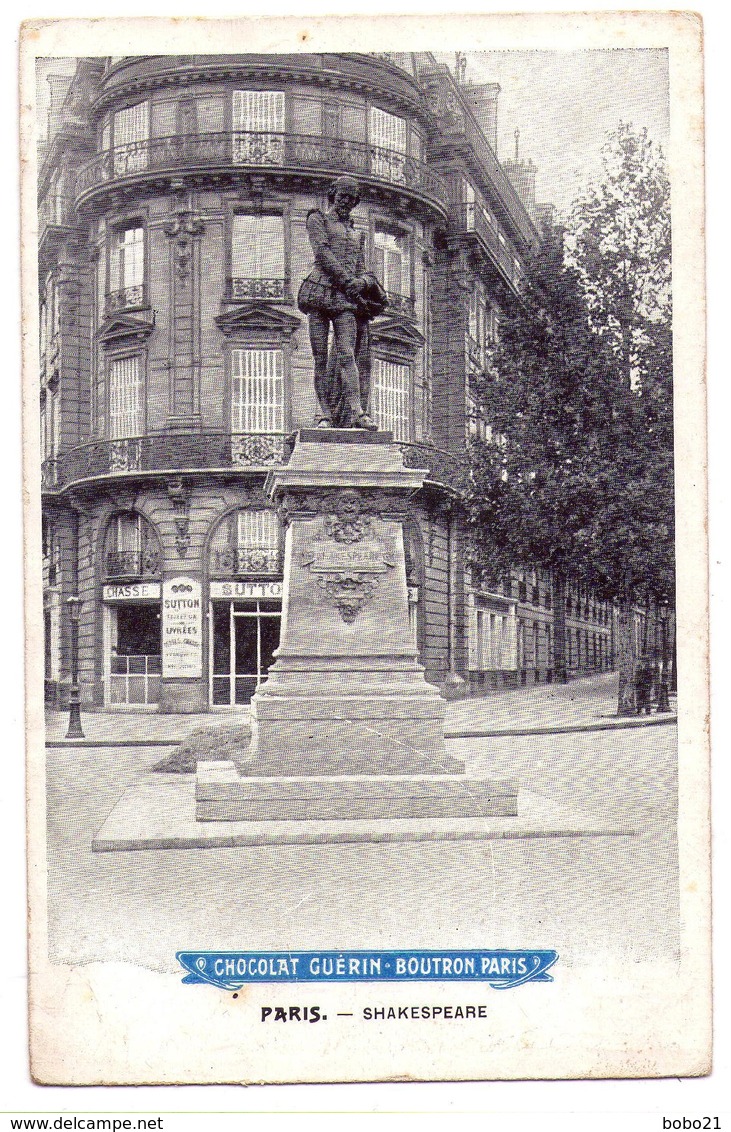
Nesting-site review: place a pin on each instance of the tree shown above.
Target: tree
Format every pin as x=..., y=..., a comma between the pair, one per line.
x=549, y=397
x=580, y=479
x=621, y=246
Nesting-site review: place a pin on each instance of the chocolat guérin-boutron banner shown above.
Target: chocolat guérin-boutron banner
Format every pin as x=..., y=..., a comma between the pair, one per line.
x=502, y=970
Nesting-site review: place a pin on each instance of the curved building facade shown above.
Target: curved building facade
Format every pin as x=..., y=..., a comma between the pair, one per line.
x=175, y=365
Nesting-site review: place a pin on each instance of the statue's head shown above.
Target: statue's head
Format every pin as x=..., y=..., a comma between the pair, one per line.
x=344, y=188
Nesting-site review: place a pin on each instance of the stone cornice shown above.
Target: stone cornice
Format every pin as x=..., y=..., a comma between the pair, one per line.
x=408, y=99
x=257, y=316
x=121, y=328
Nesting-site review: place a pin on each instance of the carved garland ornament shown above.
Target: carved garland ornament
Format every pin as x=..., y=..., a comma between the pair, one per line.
x=346, y=523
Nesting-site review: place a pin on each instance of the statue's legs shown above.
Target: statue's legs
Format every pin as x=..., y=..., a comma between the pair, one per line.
x=319, y=325
x=342, y=378
x=348, y=334
x=363, y=360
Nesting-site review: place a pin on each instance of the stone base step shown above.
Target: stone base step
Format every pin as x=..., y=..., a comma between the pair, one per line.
x=223, y=795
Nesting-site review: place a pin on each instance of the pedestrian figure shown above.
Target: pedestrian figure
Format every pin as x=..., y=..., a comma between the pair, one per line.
x=338, y=291
x=643, y=684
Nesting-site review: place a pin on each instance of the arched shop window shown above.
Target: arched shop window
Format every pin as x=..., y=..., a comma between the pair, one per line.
x=131, y=548
x=131, y=569
x=246, y=543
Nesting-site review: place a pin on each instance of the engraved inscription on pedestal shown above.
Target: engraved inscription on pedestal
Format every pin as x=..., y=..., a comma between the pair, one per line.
x=345, y=558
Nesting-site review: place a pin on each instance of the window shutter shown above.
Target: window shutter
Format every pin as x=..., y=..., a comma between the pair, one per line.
x=257, y=391
x=257, y=247
x=129, y=535
x=258, y=529
x=387, y=138
x=387, y=130
x=392, y=261
x=390, y=398
x=128, y=259
x=131, y=132
x=125, y=398
x=258, y=116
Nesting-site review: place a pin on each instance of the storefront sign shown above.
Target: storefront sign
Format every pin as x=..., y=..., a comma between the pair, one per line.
x=182, y=627
x=137, y=591
x=239, y=590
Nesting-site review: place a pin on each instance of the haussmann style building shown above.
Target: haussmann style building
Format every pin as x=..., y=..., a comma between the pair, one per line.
x=174, y=364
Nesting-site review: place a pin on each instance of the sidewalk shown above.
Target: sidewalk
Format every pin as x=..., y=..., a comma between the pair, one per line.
x=587, y=704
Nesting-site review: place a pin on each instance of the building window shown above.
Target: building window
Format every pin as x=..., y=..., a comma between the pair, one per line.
x=392, y=262
x=477, y=426
x=257, y=391
x=246, y=542
x=126, y=268
x=131, y=139
x=257, y=258
x=387, y=139
x=50, y=424
x=390, y=398
x=44, y=428
x=131, y=549
x=258, y=127
x=470, y=204
x=482, y=327
x=125, y=398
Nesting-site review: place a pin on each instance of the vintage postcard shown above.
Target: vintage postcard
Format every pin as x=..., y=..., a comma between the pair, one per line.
x=366, y=571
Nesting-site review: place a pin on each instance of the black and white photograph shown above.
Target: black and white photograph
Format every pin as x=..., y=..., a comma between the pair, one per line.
x=366, y=591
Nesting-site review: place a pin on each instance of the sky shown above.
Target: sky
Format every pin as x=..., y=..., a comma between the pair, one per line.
x=565, y=103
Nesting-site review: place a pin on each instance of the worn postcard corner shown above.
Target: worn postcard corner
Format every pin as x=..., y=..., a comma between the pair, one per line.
x=367, y=649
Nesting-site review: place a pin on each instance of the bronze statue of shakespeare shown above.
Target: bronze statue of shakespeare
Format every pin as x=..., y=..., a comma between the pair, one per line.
x=340, y=292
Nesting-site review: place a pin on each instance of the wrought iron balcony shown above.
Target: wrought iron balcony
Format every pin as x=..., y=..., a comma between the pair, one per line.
x=127, y=298
x=246, y=560
x=214, y=451
x=167, y=452
x=133, y=563
x=471, y=220
x=241, y=290
x=245, y=148
x=404, y=304
x=444, y=467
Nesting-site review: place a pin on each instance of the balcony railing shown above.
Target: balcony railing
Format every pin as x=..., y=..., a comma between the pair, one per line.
x=240, y=290
x=404, y=304
x=246, y=560
x=127, y=298
x=250, y=147
x=184, y=451
x=133, y=563
x=173, y=452
x=471, y=219
x=444, y=467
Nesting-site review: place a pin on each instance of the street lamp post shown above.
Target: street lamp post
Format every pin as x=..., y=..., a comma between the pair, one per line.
x=74, y=730
x=663, y=699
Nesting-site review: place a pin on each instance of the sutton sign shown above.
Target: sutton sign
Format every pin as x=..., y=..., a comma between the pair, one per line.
x=182, y=627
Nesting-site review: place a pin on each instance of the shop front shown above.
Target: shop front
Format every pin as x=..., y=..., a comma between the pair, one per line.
x=244, y=625
x=132, y=644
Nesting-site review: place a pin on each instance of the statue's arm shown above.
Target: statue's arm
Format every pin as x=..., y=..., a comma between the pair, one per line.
x=324, y=257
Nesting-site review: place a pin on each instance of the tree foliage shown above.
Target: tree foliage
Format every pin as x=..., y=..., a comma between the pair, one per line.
x=578, y=476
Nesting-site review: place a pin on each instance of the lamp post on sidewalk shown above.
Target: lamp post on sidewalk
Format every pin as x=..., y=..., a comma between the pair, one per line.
x=74, y=729
x=663, y=699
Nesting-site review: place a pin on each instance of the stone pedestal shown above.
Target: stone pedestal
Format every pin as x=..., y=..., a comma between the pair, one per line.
x=346, y=699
